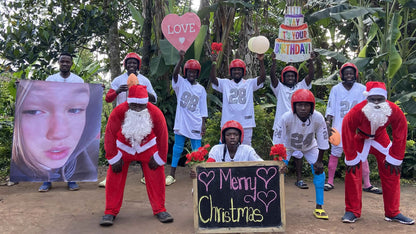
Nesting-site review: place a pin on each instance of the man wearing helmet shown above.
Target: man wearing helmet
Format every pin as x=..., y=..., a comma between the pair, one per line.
x=237, y=94
x=283, y=90
x=191, y=110
x=304, y=129
x=132, y=63
x=232, y=149
x=342, y=98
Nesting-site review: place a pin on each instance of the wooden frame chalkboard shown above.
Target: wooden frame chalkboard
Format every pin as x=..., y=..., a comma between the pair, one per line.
x=233, y=197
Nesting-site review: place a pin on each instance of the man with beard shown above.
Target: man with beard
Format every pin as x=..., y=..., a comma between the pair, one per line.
x=132, y=63
x=342, y=98
x=237, y=94
x=136, y=131
x=364, y=132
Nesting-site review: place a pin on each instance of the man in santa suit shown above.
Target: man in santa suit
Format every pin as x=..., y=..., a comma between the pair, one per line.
x=136, y=131
x=364, y=132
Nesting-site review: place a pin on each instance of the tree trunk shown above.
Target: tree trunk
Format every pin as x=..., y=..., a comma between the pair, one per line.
x=113, y=43
x=147, y=36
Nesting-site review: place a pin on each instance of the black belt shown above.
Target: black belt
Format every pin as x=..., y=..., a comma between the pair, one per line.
x=368, y=135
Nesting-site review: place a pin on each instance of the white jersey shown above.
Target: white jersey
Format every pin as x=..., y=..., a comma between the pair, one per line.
x=122, y=79
x=72, y=78
x=191, y=107
x=283, y=95
x=341, y=101
x=244, y=153
x=237, y=100
x=302, y=136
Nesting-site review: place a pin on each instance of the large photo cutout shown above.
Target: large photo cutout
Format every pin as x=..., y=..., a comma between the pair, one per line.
x=56, y=131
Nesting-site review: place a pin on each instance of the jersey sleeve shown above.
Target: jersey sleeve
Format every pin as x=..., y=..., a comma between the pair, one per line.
x=221, y=83
x=145, y=81
x=203, y=103
x=321, y=132
x=254, y=84
x=331, y=102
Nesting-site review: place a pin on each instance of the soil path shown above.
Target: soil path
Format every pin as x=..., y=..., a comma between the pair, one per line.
x=24, y=210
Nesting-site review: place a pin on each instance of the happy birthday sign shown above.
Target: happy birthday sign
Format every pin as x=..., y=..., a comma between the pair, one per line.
x=239, y=195
x=181, y=31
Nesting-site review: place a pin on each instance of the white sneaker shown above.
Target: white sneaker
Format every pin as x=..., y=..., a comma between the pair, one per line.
x=102, y=183
x=169, y=180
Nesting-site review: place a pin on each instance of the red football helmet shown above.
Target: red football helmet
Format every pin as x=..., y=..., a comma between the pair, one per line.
x=303, y=95
x=351, y=65
x=134, y=56
x=192, y=64
x=237, y=63
x=232, y=124
x=290, y=69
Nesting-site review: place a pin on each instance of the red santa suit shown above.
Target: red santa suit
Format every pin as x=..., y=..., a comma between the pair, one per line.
x=359, y=139
x=118, y=147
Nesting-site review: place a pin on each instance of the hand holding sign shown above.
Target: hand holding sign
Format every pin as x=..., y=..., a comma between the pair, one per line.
x=181, y=31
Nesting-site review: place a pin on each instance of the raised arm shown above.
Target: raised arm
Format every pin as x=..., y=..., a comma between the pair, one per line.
x=262, y=76
x=178, y=66
x=311, y=69
x=213, y=73
x=273, y=77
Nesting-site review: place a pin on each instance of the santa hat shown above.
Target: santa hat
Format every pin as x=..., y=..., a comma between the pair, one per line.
x=137, y=94
x=375, y=88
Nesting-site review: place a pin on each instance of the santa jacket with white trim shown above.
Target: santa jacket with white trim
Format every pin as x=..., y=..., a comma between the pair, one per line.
x=116, y=120
x=353, y=139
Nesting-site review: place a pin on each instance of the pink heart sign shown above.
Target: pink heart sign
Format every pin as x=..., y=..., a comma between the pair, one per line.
x=181, y=31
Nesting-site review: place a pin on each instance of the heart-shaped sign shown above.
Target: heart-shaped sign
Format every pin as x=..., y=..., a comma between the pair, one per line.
x=181, y=31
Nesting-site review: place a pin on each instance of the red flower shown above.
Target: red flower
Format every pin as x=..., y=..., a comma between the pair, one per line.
x=278, y=152
x=216, y=47
x=197, y=156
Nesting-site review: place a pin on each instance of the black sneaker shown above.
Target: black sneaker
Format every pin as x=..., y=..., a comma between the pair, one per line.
x=401, y=219
x=107, y=220
x=349, y=217
x=164, y=217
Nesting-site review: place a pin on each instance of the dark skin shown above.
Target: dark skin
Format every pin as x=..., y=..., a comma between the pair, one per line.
x=118, y=166
x=65, y=64
x=303, y=110
x=289, y=78
x=192, y=75
x=377, y=99
x=132, y=66
x=237, y=74
x=348, y=80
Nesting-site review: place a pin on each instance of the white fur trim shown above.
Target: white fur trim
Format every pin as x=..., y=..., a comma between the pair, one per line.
x=139, y=149
x=158, y=160
x=393, y=161
x=378, y=91
x=138, y=100
x=115, y=158
x=353, y=162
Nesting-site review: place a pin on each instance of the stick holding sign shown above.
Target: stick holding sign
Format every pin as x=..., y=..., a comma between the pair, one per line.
x=181, y=31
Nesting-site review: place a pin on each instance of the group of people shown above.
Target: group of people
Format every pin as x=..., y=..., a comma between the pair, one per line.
x=136, y=131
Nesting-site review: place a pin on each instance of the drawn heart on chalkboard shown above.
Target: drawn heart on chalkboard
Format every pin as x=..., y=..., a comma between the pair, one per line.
x=266, y=175
x=206, y=178
x=269, y=197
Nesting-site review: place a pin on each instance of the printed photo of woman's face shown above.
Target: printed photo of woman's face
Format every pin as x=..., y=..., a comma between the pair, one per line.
x=52, y=121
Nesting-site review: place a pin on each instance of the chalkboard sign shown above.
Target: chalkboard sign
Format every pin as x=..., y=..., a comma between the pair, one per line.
x=239, y=197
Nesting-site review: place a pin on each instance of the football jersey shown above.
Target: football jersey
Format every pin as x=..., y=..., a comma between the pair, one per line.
x=237, y=100
x=191, y=107
x=244, y=153
x=72, y=78
x=122, y=79
x=302, y=136
x=341, y=101
x=283, y=95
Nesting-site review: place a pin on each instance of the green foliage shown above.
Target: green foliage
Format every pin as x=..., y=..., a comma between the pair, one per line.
x=6, y=122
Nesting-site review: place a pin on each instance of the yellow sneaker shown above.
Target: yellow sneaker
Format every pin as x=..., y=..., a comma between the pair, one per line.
x=102, y=183
x=169, y=180
x=142, y=180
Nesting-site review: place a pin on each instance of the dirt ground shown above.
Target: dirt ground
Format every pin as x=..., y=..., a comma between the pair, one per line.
x=24, y=210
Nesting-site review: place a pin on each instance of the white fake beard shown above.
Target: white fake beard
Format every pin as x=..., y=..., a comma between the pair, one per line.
x=136, y=126
x=377, y=116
